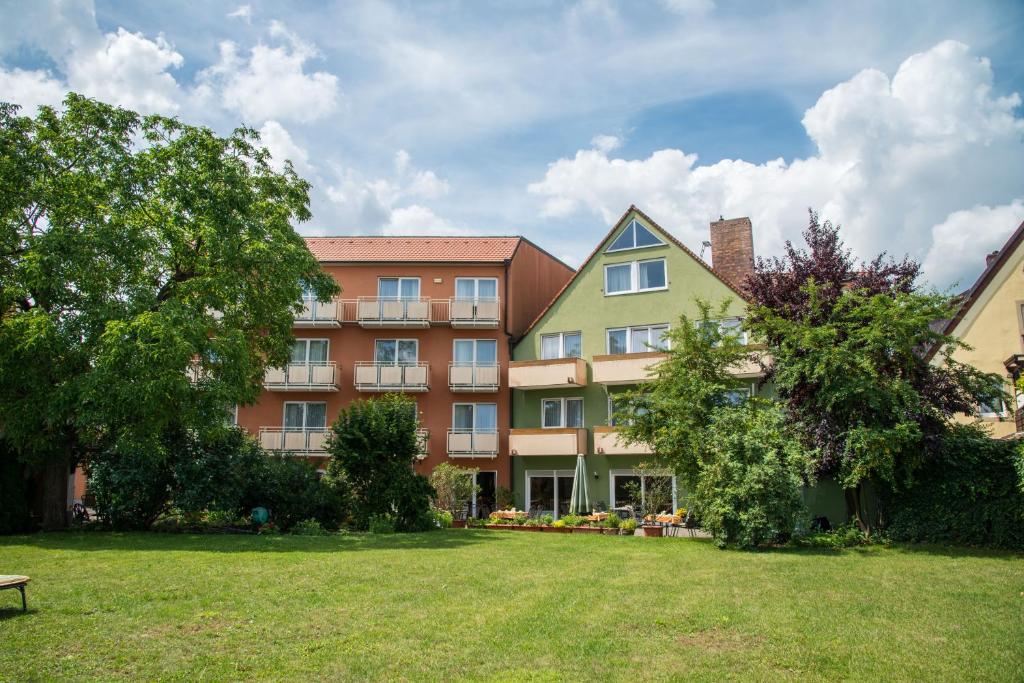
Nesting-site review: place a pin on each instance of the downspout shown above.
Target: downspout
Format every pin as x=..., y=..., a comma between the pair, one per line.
x=508, y=340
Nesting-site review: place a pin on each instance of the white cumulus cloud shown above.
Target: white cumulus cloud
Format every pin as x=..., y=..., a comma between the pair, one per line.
x=958, y=241
x=895, y=157
x=30, y=89
x=278, y=141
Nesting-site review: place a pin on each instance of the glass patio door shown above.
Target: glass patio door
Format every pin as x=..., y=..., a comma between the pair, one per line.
x=549, y=493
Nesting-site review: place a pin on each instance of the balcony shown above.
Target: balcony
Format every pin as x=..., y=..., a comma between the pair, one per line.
x=372, y=312
x=388, y=377
x=422, y=443
x=318, y=314
x=474, y=313
x=751, y=367
x=302, y=377
x=306, y=441
x=466, y=443
x=555, y=373
x=568, y=441
x=607, y=442
x=473, y=377
x=626, y=368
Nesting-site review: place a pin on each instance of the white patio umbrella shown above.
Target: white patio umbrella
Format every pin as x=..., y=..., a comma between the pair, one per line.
x=579, y=501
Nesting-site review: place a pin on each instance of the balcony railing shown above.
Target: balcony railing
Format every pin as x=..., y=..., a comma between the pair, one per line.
x=422, y=443
x=558, y=441
x=607, y=442
x=383, y=313
x=390, y=377
x=319, y=314
x=473, y=377
x=467, y=443
x=302, y=377
x=554, y=373
x=290, y=440
x=474, y=313
x=626, y=368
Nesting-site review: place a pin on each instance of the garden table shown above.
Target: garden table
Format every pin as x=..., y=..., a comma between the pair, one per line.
x=17, y=582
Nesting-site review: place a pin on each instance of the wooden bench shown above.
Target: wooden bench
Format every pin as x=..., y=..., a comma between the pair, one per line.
x=18, y=582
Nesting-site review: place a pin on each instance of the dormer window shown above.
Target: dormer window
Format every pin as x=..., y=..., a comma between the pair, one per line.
x=635, y=236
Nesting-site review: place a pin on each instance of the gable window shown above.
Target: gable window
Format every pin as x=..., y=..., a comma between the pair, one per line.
x=398, y=288
x=635, y=236
x=309, y=351
x=396, y=351
x=561, y=345
x=562, y=412
x=635, y=276
x=637, y=339
x=476, y=288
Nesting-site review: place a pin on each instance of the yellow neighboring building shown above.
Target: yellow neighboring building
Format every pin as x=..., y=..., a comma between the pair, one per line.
x=991, y=321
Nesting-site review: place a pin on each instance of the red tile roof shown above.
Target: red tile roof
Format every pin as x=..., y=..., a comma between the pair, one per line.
x=414, y=249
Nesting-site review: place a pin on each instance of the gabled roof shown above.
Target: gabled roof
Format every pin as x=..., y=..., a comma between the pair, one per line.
x=414, y=249
x=974, y=294
x=657, y=228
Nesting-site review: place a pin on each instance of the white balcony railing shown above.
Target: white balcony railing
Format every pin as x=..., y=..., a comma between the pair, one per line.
x=318, y=314
x=473, y=377
x=302, y=377
x=390, y=377
x=474, y=313
x=383, y=313
x=468, y=443
x=291, y=440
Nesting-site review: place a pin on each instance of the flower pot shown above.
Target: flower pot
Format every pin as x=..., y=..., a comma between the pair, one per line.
x=611, y=531
x=458, y=524
x=653, y=530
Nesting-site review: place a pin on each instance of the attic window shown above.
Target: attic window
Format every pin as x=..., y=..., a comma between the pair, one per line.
x=635, y=236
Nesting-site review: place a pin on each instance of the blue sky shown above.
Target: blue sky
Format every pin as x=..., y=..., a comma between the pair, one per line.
x=899, y=120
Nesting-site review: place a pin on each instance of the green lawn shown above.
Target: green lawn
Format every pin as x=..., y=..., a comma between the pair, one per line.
x=499, y=605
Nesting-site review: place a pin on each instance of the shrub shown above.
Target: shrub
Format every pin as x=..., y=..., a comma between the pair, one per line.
x=219, y=519
x=573, y=520
x=442, y=519
x=131, y=488
x=213, y=472
x=546, y=519
x=475, y=523
x=967, y=495
x=628, y=525
x=382, y=524
x=453, y=487
x=308, y=527
x=612, y=521
x=558, y=524
x=503, y=497
x=749, y=491
x=846, y=536
x=292, y=490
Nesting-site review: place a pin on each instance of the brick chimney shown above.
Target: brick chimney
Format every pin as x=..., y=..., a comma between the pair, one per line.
x=732, y=249
x=989, y=258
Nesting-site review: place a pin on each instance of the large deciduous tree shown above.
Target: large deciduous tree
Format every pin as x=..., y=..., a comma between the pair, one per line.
x=149, y=272
x=849, y=346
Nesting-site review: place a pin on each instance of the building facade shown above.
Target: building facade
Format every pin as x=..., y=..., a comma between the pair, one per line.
x=599, y=337
x=430, y=317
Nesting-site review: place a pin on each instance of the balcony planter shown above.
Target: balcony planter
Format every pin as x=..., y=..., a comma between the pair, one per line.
x=654, y=530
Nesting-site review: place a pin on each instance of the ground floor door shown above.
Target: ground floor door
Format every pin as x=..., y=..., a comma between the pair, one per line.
x=548, y=492
x=483, y=503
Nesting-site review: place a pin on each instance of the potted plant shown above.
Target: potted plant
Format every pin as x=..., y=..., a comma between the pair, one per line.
x=558, y=526
x=656, y=494
x=628, y=527
x=611, y=524
x=454, y=489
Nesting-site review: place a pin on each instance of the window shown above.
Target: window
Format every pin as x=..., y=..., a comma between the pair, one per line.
x=311, y=351
x=635, y=276
x=635, y=236
x=561, y=345
x=728, y=327
x=993, y=408
x=626, y=484
x=300, y=417
x=562, y=412
x=398, y=288
x=616, y=404
x=396, y=351
x=475, y=417
x=637, y=339
x=476, y=288
x=475, y=352
x=735, y=397
x=548, y=492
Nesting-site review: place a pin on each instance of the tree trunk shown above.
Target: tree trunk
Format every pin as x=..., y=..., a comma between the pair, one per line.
x=55, y=493
x=855, y=507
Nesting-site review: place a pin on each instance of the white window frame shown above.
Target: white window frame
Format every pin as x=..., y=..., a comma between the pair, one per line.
x=612, y=474
x=1004, y=413
x=633, y=223
x=562, y=414
x=475, y=341
x=476, y=288
x=400, y=278
x=748, y=390
x=307, y=340
x=474, y=429
x=744, y=337
x=305, y=414
x=629, y=337
x=634, y=277
x=561, y=344
x=540, y=474
x=396, y=340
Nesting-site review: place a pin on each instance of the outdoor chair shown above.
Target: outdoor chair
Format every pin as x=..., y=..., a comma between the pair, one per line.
x=18, y=583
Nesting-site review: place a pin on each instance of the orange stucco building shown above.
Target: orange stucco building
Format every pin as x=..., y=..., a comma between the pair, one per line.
x=431, y=317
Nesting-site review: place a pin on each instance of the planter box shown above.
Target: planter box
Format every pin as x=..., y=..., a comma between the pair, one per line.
x=586, y=530
x=459, y=524
x=610, y=532
x=654, y=531
x=497, y=526
x=558, y=529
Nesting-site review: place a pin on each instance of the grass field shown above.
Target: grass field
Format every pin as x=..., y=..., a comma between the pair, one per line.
x=498, y=605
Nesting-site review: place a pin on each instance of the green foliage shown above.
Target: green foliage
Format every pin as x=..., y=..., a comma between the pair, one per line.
x=382, y=524
x=213, y=473
x=475, y=523
x=504, y=498
x=14, y=516
x=373, y=445
x=292, y=490
x=546, y=519
x=749, y=489
x=149, y=272
x=612, y=521
x=308, y=527
x=573, y=520
x=559, y=524
x=845, y=536
x=628, y=525
x=442, y=519
x=967, y=495
x=453, y=487
x=672, y=412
